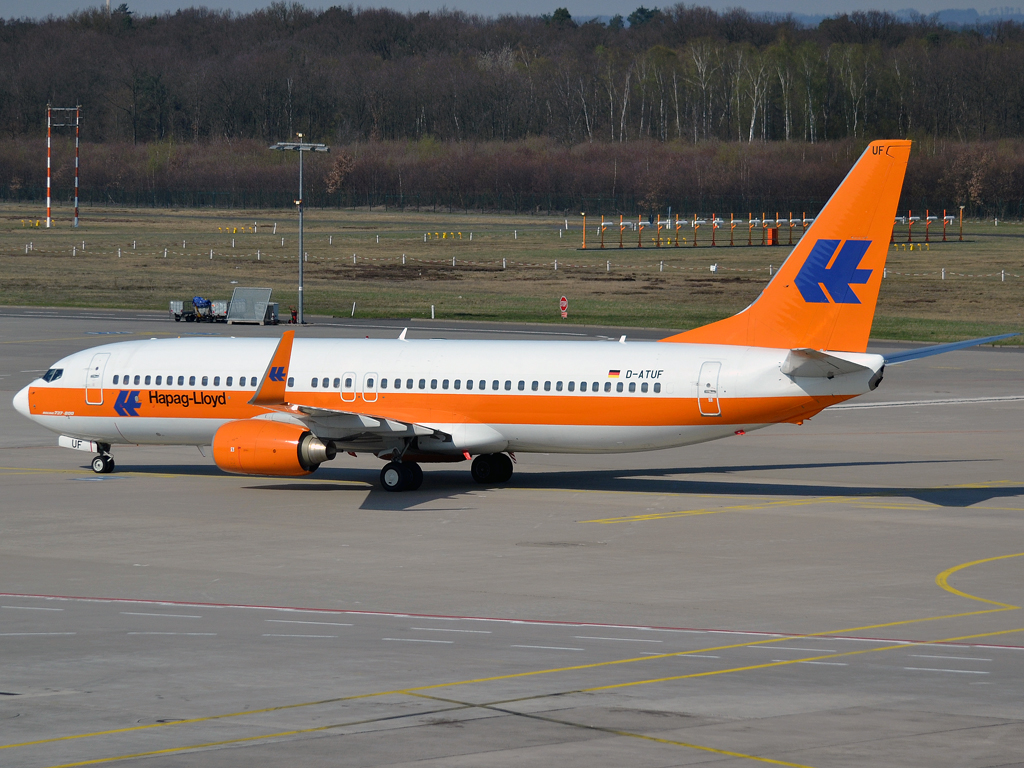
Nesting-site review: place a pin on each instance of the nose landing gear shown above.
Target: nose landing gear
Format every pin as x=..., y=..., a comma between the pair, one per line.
x=103, y=464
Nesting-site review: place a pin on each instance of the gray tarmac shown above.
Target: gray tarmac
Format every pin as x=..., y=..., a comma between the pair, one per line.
x=842, y=593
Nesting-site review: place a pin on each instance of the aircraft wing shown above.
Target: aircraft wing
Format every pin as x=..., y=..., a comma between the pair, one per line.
x=937, y=349
x=351, y=422
x=338, y=424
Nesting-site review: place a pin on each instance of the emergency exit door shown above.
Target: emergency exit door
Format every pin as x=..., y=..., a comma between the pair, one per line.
x=707, y=390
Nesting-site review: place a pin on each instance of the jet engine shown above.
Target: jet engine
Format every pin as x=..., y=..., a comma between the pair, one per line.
x=262, y=447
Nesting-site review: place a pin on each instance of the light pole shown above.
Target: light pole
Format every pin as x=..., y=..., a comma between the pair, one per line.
x=300, y=147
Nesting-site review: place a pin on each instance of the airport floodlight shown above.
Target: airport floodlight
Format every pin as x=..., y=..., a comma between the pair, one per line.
x=300, y=147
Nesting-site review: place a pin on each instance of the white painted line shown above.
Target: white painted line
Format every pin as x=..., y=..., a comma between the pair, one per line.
x=951, y=658
x=330, y=637
x=823, y=663
x=788, y=648
x=958, y=671
x=548, y=647
x=416, y=640
x=185, y=634
x=296, y=621
x=621, y=639
x=29, y=608
x=947, y=401
x=441, y=629
x=34, y=634
x=163, y=615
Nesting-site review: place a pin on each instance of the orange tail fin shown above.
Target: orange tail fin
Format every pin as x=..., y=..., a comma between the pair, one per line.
x=824, y=295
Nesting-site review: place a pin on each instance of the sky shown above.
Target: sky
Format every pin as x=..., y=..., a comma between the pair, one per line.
x=578, y=8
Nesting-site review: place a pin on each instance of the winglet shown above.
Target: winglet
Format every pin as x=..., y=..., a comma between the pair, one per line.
x=272, y=386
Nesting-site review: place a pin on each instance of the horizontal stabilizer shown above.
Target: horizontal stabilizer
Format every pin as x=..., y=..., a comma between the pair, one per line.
x=916, y=354
x=812, y=363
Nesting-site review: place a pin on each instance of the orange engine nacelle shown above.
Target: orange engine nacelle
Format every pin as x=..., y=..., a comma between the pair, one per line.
x=261, y=447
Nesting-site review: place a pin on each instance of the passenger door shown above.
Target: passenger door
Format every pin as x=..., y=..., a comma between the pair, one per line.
x=94, y=378
x=707, y=390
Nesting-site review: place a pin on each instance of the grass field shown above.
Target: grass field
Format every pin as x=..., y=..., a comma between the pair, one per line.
x=665, y=287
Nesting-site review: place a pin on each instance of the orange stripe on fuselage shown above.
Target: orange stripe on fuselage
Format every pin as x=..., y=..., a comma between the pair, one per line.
x=443, y=408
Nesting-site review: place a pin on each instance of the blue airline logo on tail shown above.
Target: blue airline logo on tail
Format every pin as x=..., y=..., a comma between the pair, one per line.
x=127, y=402
x=277, y=373
x=826, y=270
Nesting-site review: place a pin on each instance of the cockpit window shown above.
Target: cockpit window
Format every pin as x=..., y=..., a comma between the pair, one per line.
x=53, y=374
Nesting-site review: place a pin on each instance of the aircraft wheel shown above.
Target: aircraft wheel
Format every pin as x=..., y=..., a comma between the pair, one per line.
x=416, y=474
x=103, y=465
x=503, y=467
x=395, y=476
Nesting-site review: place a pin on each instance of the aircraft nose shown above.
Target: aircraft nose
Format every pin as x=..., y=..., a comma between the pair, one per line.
x=21, y=402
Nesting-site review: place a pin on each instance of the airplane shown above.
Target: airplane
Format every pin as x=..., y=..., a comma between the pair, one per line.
x=284, y=407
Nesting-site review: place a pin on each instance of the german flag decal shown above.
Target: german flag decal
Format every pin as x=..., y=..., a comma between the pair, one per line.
x=613, y=374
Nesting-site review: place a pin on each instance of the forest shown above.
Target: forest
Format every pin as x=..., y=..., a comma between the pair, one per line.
x=681, y=105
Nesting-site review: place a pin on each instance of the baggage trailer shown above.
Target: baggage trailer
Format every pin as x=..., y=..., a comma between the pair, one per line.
x=199, y=310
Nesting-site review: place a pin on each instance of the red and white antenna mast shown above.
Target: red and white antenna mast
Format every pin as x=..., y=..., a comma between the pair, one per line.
x=75, y=118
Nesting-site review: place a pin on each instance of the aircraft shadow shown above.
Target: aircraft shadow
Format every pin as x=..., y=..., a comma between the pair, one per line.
x=450, y=483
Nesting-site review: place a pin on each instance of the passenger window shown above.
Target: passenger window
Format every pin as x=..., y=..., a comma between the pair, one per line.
x=458, y=384
x=327, y=382
x=252, y=381
x=137, y=379
x=469, y=384
x=618, y=386
x=583, y=386
x=206, y=380
x=547, y=386
x=632, y=386
x=147, y=380
x=643, y=387
x=408, y=383
x=444, y=384
x=181, y=381
x=558, y=387
x=312, y=383
x=158, y=380
x=495, y=385
x=227, y=381
x=423, y=383
x=522, y=386
x=398, y=383
x=191, y=381
x=216, y=381
x=383, y=383
x=572, y=386
x=508, y=385
x=291, y=381
x=657, y=386
x=595, y=386
x=369, y=383
x=534, y=386
x=348, y=382
x=433, y=383
x=483, y=384
x=337, y=383
x=115, y=378
x=607, y=386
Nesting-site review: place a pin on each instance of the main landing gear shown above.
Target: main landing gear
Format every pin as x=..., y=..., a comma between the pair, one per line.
x=103, y=464
x=492, y=468
x=401, y=476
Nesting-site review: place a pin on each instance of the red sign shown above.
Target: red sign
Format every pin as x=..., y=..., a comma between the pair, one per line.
x=563, y=305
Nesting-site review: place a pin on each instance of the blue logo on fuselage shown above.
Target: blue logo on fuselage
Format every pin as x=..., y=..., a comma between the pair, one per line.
x=127, y=403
